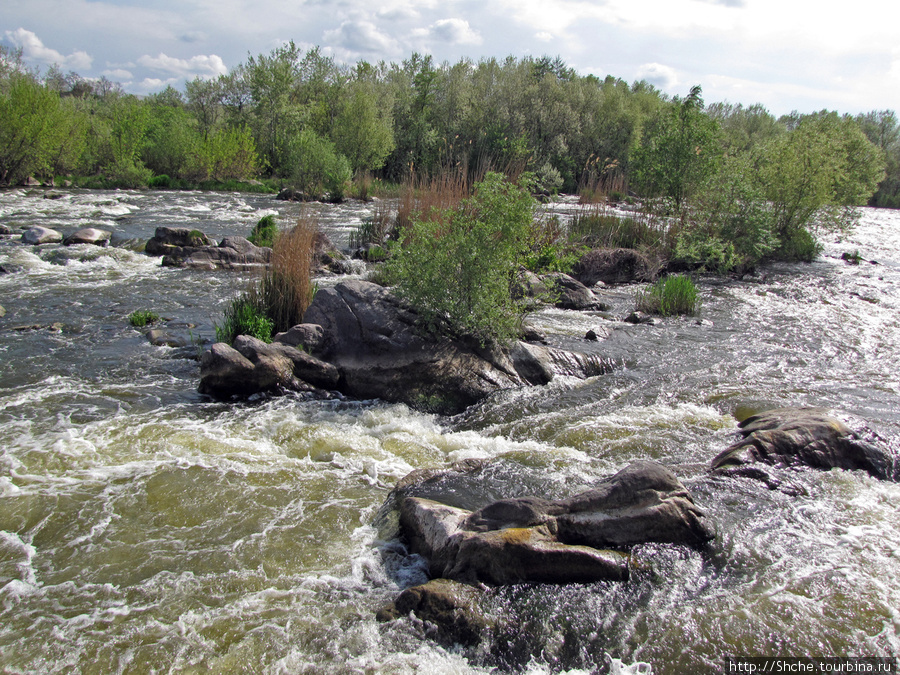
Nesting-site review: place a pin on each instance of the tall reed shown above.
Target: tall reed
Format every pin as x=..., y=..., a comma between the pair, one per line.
x=286, y=288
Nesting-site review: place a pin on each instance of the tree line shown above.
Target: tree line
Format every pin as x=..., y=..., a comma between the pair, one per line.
x=306, y=121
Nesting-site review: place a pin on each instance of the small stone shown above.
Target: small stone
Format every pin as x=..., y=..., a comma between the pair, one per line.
x=591, y=335
x=41, y=235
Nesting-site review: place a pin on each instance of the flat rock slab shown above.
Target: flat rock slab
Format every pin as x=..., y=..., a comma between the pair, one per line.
x=183, y=247
x=532, y=540
x=813, y=437
x=88, y=235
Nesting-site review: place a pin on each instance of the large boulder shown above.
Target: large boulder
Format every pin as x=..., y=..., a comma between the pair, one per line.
x=41, y=235
x=181, y=247
x=88, y=235
x=613, y=266
x=814, y=437
x=528, y=539
x=376, y=343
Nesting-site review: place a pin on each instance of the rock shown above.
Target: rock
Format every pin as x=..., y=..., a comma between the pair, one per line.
x=4, y=229
x=41, y=235
x=530, y=540
x=569, y=293
x=181, y=247
x=613, y=266
x=291, y=195
x=161, y=338
x=813, y=437
x=454, y=609
x=637, y=318
x=167, y=240
x=251, y=366
x=88, y=235
x=374, y=341
x=31, y=181
x=591, y=336
x=309, y=337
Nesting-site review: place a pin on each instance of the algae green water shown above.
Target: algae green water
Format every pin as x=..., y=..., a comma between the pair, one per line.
x=146, y=529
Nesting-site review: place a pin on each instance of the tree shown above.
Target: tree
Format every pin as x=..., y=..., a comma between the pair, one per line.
x=362, y=131
x=456, y=266
x=681, y=151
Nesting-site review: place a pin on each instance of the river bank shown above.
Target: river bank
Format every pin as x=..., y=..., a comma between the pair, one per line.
x=145, y=527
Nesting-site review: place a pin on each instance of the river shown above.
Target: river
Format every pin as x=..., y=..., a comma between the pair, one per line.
x=147, y=529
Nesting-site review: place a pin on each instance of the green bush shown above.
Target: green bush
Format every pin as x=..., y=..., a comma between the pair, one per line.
x=142, y=317
x=264, y=232
x=456, y=265
x=670, y=295
x=244, y=316
x=798, y=245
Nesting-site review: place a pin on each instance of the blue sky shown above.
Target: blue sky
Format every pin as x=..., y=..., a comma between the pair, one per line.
x=781, y=53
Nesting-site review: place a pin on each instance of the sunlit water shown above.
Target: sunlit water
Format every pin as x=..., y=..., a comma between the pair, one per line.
x=144, y=528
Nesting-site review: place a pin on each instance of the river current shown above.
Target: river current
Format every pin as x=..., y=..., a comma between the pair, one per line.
x=147, y=529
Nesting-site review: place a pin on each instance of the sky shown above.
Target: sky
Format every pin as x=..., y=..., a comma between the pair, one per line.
x=785, y=54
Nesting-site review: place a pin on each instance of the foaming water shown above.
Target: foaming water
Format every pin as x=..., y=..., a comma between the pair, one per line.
x=144, y=528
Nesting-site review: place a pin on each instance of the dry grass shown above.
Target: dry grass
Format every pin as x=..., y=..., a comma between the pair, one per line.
x=286, y=289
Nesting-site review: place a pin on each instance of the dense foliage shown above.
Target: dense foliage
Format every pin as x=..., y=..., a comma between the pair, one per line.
x=457, y=265
x=732, y=184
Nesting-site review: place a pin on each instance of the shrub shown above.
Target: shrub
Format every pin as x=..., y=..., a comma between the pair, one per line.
x=798, y=245
x=596, y=228
x=456, y=266
x=264, y=232
x=670, y=295
x=142, y=317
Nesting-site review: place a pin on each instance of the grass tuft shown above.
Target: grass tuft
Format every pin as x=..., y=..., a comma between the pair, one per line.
x=669, y=296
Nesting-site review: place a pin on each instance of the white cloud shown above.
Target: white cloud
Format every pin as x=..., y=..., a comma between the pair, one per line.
x=197, y=66
x=544, y=36
x=118, y=75
x=361, y=37
x=33, y=49
x=658, y=75
x=455, y=31
x=153, y=84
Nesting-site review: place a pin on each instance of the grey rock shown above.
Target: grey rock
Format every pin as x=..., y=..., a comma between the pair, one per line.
x=813, y=437
x=569, y=293
x=307, y=336
x=41, y=235
x=614, y=266
x=541, y=541
x=182, y=247
x=88, y=235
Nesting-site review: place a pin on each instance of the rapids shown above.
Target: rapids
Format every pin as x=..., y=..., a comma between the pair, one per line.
x=144, y=528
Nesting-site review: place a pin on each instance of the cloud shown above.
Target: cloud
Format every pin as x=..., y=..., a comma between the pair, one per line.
x=118, y=75
x=194, y=36
x=153, y=84
x=197, y=66
x=544, y=36
x=658, y=75
x=361, y=36
x=33, y=49
x=455, y=31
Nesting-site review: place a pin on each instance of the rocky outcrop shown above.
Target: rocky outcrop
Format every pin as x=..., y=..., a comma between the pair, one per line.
x=375, y=342
x=563, y=541
x=613, y=266
x=88, y=235
x=813, y=437
x=561, y=290
x=181, y=247
x=41, y=235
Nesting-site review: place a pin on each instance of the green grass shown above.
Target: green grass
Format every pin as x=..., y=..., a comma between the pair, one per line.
x=264, y=232
x=142, y=318
x=244, y=317
x=669, y=296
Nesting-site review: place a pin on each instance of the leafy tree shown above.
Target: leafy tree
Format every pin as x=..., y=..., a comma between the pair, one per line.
x=812, y=175
x=362, y=131
x=456, y=266
x=680, y=152
x=316, y=167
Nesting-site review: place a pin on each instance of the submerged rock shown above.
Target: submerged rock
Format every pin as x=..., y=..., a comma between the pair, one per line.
x=528, y=540
x=814, y=437
x=41, y=235
x=454, y=609
x=88, y=235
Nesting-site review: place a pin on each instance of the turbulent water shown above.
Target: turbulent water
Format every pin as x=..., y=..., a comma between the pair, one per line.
x=144, y=528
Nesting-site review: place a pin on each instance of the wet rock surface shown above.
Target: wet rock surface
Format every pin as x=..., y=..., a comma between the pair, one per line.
x=811, y=437
x=182, y=247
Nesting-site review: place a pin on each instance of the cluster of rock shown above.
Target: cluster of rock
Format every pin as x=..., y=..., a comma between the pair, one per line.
x=37, y=236
x=362, y=341
x=587, y=537
x=183, y=247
